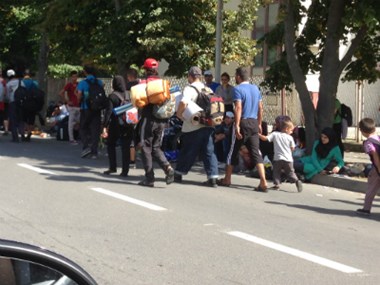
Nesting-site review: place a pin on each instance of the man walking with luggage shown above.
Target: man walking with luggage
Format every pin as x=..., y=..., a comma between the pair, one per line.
x=248, y=118
x=150, y=133
x=196, y=139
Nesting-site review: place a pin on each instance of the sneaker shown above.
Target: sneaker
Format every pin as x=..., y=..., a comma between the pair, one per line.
x=146, y=183
x=85, y=152
x=109, y=171
x=94, y=156
x=177, y=178
x=5, y=133
x=299, y=185
x=169, y=179
x=210, y=183
x=74, y=142
x=363, y=212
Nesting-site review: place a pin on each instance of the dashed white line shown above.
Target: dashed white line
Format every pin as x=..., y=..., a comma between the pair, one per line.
x=36, y=169
x=129, y=199
x=296, y=252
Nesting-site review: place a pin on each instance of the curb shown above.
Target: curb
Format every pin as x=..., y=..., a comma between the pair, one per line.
x=341, y=182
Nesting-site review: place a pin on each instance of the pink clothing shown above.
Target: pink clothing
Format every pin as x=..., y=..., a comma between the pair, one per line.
x=373, y=182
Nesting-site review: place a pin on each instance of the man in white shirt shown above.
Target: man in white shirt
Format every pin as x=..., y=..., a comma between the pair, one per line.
x=196, y=139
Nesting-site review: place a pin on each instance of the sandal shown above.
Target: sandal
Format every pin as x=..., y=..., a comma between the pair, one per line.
x=261, y=189
x=221, y=182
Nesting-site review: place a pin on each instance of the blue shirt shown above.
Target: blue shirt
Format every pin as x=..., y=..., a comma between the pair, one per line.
x=213, y=85
x=29, y=82
x=84, y=88
x=250, y=97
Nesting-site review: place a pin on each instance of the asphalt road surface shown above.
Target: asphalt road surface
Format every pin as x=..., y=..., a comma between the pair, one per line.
x=122, y=233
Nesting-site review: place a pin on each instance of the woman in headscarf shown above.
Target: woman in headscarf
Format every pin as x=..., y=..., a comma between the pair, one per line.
x=325, y=158
x=115, y=130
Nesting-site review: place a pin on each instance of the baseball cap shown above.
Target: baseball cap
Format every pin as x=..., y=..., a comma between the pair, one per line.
x=150, y=63
x=208, y=72
x=11, y=72
x=195, y=71
x=229, y=114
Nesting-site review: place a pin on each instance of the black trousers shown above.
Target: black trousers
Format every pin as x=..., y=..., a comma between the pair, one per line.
x=90, y=129
x=126, y=136
x=151, y=132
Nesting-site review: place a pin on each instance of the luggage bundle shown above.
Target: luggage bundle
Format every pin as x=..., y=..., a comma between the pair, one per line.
x=154, y=92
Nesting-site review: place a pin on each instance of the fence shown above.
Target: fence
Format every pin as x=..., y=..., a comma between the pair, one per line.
x=362, y=98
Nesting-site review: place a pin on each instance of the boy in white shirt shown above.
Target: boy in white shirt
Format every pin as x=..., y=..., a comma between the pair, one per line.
x=283, y=158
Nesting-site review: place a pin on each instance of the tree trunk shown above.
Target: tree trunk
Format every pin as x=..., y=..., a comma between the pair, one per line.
x=330, y=72
x=121, y=66
x=299, y=79
x=43, y=65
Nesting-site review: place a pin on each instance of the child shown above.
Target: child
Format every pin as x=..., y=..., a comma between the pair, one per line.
x=283, y=159
x=368, y=129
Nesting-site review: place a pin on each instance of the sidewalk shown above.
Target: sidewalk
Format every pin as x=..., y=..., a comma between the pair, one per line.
x=353, y=155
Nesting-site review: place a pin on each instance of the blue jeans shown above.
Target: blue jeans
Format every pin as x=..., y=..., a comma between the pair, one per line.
x=199, y=142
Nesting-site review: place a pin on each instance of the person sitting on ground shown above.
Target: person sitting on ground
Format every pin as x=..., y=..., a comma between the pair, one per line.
x=299, y=136
x=283, y=159
x=325, y=158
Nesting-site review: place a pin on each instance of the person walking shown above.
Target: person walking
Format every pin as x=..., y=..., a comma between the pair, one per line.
x=371, y=147
x=283, y=159
x=69, y=96
x=195, y=139
x=115, y=130
x=90, y=120
x=150, y=132
x=248, y=118
x=29, y=116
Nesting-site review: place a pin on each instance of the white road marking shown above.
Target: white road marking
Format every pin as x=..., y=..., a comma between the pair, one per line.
x=295, y=252
x=129, y=199
x=36, y=169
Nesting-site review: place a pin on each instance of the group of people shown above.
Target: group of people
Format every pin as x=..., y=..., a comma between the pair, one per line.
x=241, y=132
x=16, y=120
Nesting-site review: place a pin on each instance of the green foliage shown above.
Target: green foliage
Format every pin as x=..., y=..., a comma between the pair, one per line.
x=357, y=15
x=113, y=34
x=63, y=70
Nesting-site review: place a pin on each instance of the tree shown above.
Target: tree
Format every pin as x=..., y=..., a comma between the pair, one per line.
x=121, y=33
x=330, y=24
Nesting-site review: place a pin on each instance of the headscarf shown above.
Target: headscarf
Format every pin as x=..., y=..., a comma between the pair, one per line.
x=324, y=149
x=118, y=84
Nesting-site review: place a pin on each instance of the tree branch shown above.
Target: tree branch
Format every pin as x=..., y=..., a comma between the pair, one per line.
x=353, y=47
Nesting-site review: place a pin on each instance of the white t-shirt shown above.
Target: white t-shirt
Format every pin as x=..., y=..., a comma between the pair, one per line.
x=283, y=144
x=190, y=94
x=12, y=85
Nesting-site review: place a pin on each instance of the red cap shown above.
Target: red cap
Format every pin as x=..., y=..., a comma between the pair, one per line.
x=150, y=63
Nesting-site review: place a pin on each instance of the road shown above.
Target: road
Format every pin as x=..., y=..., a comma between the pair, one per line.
x=122, y=233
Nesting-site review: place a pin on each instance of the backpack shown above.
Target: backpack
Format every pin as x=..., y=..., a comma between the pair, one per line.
x=34, y=100
x=97, y=99
x=167, y=109
x=125, y=112
x=20, y=95
x=212, y=106
x=346, y=113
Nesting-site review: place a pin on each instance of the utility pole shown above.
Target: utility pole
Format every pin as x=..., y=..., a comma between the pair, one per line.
x=218, y=45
